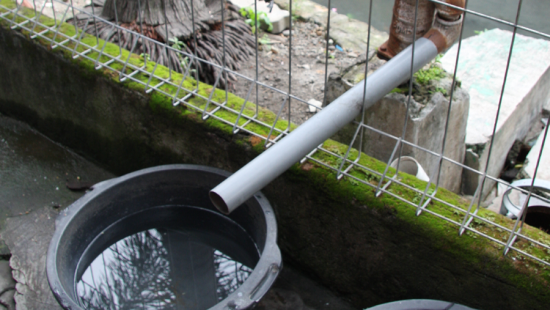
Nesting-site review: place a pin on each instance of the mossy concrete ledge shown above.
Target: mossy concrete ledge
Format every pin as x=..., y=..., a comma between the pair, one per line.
x=368, y=250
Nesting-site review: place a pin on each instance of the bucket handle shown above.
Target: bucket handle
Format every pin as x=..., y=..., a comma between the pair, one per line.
x=266, y=282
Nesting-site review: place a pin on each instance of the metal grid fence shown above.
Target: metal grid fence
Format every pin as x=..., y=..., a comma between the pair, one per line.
x=466, y=219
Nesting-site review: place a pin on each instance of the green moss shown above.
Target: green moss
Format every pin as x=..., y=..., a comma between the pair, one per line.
x=443, y=232
x=470, y=248
x=401, y=90
x=424, y=76
x=159, y=103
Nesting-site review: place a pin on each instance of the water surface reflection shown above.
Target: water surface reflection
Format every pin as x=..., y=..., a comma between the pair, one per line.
x=160, y=269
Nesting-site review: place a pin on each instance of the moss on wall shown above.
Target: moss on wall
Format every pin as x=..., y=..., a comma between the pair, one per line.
x=368, y=249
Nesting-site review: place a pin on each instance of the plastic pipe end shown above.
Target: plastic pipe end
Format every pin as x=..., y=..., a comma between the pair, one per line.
x=218, y=202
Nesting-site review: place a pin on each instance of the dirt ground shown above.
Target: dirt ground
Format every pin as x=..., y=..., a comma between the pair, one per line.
x=307, y=70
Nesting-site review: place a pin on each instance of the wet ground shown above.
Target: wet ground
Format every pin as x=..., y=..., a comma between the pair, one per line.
x=34, y=175
x=34, y=171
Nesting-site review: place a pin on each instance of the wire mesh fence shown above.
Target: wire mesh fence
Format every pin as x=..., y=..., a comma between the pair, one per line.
x=178, y=80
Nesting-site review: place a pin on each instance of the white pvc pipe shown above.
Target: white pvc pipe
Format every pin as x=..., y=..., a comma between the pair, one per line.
x=411, y=166
x=236, y=189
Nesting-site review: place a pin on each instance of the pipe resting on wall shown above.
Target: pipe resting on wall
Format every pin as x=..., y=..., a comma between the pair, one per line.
x=240, y=186
x=275, y=160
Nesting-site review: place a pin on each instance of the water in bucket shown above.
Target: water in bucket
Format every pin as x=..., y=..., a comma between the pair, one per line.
x=193, y=266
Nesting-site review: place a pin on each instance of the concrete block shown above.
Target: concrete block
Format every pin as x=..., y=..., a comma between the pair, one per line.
x=481, y=69
x=425, y=125
x=280, y=19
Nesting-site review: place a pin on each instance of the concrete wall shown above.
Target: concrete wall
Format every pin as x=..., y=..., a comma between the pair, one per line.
x=368, y=250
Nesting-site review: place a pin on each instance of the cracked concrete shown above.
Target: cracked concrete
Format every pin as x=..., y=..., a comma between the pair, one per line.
x=28, y=238
x=7, y=287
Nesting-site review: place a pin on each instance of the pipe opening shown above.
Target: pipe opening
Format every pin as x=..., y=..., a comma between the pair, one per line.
x=218, y=202
x=448, y=18
x=449, y=21
x=409, y=166
x=539, y=217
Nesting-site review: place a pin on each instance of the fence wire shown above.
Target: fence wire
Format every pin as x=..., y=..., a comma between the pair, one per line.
x=247, y=118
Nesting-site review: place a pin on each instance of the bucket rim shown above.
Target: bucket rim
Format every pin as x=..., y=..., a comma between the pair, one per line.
x=249, y=293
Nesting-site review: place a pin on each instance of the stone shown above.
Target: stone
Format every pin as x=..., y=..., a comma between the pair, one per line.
x=286, y=32
x=314, y=105
x=481, y=69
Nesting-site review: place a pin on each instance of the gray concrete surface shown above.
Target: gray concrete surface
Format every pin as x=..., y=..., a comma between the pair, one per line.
x=481, y=69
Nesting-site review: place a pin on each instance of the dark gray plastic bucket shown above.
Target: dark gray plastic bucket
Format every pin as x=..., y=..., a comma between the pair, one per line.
x=420, y=304
x=174, y=195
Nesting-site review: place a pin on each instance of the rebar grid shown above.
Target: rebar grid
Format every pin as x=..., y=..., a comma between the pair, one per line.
x=343, y=163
